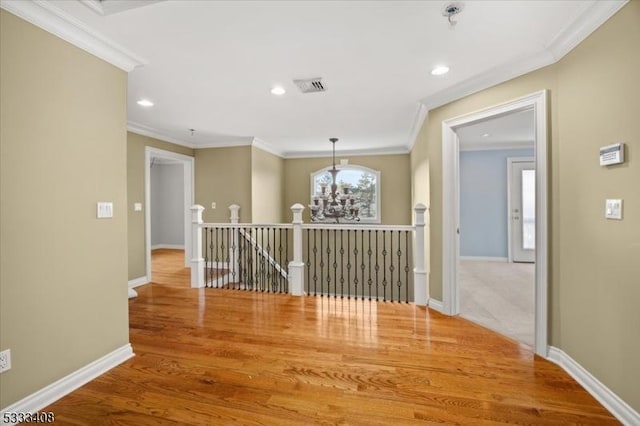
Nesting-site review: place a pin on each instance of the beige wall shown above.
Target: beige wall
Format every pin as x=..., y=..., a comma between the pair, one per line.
x=594, y=269
x=267, y=181
x=223, y=176
x=395, y=188
x=63, y=279
x=135, y=193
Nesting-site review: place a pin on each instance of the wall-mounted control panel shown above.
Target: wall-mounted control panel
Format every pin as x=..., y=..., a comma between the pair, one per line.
x=613, y=209
x=612, y=154
x=105, y=210
x=137, y=207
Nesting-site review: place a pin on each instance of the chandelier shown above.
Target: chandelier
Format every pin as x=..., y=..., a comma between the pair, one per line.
x=334, y=205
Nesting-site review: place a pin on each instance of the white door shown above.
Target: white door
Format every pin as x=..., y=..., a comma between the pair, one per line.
x=522, y=210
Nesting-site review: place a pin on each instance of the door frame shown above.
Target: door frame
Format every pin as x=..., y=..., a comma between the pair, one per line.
x=189, y=178
x=510, y=162
x=451, y=206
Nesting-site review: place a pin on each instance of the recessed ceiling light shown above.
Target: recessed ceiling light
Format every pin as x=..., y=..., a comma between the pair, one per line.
x=278, y=90
x=486, y=135
x=145, y=103
x=440, y=70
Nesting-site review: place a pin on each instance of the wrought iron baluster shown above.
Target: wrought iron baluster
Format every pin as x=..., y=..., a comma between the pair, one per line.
x=335, y=266
x=315, y=264
x=369, y=252
x=328, y=291
x=377, y=267
x=206, y=256
x=280, y=260
x=362, y=265
x=217, y=266
x=341, y=264
x=321, y=262
x=384, y=265
x=348, y=263
x=391, y=267
x=286, y=259
x=399, y=284
x=228, y=274
x=355, y=263
x=406, y=265
x=234, y=246
x=308, y=283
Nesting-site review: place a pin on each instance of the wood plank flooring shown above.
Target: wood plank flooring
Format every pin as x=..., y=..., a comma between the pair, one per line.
x=211, y=356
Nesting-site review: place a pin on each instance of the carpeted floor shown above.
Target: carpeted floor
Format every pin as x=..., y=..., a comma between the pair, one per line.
x=499, y=296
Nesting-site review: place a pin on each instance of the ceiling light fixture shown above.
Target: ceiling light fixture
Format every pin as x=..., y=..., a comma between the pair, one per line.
x=486, y=135
x=145, y=103
x=440, y=70
x=278, y=90
x=340, y=204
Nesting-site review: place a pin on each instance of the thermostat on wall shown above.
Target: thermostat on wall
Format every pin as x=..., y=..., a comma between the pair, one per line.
x=612, y=154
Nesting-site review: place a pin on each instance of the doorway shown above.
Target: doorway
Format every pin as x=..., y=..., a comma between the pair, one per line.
x=451, y=206
x=185, y=165
x=521, y=192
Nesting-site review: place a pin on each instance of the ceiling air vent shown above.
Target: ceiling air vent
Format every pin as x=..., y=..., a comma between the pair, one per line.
x=310, y=85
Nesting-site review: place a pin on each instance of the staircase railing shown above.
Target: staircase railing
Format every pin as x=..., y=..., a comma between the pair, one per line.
x=375, y=262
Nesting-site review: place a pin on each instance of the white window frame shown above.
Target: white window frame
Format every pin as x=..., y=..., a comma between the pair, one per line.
x=355, y=167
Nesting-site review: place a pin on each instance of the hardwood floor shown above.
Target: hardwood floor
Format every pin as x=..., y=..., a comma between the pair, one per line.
x=211, y=356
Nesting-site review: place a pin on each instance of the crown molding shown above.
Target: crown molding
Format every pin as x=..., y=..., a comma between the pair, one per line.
x=143, y=130
x=348, y=153
x=586, y=23
x=225, y=144
x=54, y=20
x=265, y=146
x=421, y=114
x=589, y=19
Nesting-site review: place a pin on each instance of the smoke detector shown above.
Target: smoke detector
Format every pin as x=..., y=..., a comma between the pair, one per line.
x=451, y=10
x=310, y=85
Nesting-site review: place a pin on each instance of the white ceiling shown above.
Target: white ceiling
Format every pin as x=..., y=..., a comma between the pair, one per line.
x=210, y=65
x=513, y=130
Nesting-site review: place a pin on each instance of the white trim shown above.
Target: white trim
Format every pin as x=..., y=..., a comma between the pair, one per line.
x=485, y=258
x=605, y=396
x=436, y=305
x=143, y=130
x=56, y=21
x=265, y=146
x=348, y=152
x=418, y=121
x=168, y=246
x=137, y=282
x=247, y=141
x=451, y=203
x=496, y=146
x=589, y=20
x=56, y=390
x=189, y=187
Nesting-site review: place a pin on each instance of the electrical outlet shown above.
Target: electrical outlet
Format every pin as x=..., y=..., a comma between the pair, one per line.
x=213, y=205
x=5, y=360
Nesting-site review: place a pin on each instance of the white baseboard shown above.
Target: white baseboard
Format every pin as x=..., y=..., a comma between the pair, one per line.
x=612, y=402
x=53, y=392
x=167, y=246
x=138, y=282
x=436, y=305
x=485, y=258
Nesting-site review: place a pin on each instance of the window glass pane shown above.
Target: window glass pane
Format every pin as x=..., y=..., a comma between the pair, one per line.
x=361, y=185
x=528, y=209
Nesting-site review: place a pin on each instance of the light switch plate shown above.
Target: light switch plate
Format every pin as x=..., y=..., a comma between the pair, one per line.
x=137, y=207
x=105, y=210
x=613, y=209
x=213, y=205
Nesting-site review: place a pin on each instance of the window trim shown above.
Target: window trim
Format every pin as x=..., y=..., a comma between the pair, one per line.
x=341, y=167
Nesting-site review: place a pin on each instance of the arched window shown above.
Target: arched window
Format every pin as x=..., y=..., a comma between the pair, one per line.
x=359, y=185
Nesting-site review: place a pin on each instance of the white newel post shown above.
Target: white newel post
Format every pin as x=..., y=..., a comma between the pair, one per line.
x=296, y=266
x=234, y=250
x=420, y=290
x=197, y=261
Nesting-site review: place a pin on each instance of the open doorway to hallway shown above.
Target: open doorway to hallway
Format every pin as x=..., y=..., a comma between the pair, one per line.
x=496, y=273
